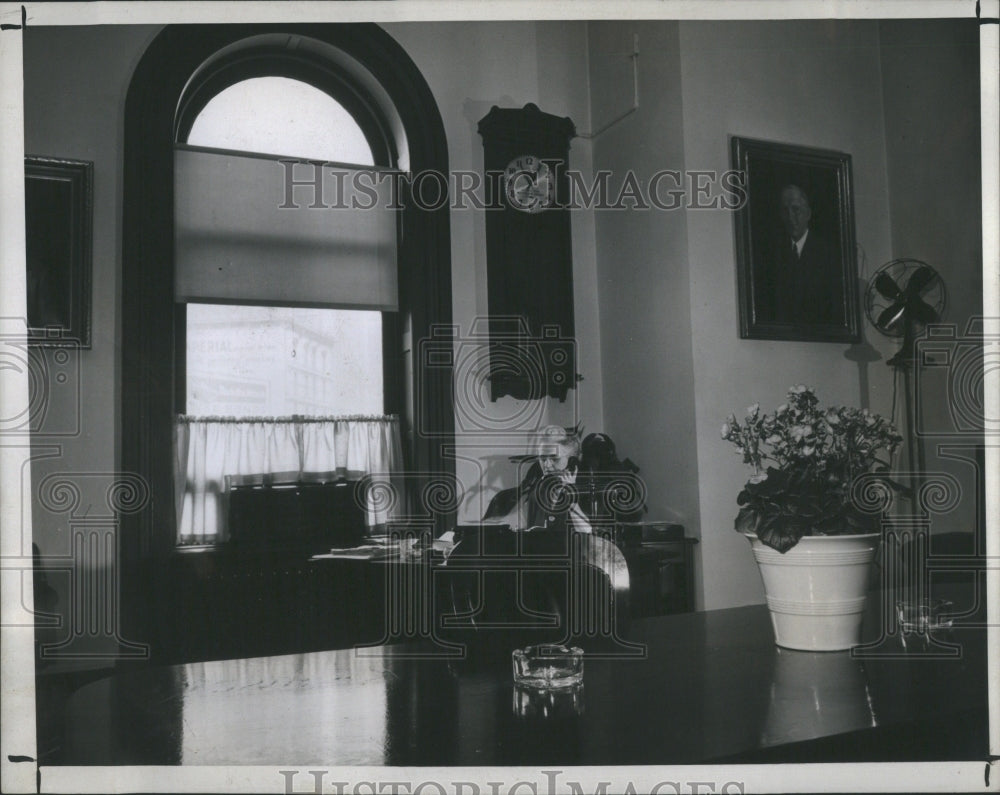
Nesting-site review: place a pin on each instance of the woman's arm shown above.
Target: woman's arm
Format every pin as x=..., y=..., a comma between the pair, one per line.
x=515, y=518
x=578, y=519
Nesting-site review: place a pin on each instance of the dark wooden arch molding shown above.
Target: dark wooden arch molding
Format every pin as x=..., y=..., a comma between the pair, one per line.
x=279, y=61
x=147, y=341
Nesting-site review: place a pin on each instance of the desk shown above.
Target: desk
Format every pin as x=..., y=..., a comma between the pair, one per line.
x=712, y=687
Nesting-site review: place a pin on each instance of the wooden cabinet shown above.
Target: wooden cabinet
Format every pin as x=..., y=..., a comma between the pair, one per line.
x=529, y=253
x=662, y=578
x=661, y=567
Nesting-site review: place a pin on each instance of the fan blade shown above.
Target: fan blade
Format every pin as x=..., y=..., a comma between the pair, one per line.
x=920, y=279
x=885, y=285
x=891, y=316
x=922, y=311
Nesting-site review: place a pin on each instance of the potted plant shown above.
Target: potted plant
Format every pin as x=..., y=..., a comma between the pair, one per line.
x=812, y=541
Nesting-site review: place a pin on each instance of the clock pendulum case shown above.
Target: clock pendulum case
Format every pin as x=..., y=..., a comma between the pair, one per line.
x=529, y=253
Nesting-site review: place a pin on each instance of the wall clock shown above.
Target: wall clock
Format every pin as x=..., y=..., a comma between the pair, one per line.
x=529, y=253
x=529, y=184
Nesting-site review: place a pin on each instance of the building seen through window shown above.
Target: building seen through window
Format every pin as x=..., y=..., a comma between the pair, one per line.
x=252, y=361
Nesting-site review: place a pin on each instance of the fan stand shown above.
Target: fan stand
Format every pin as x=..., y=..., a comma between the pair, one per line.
x=907, y=304
x=903, y=362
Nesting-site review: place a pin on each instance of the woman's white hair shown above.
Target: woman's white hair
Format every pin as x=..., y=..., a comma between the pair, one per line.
x=557, y=435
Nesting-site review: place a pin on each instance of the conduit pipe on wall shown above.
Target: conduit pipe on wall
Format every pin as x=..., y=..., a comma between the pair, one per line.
x=634, y=57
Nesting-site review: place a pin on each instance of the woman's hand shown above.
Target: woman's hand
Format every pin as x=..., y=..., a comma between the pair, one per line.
x=568, y=476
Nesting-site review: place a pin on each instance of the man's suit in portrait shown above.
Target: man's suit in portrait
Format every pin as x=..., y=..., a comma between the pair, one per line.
x=800, y=288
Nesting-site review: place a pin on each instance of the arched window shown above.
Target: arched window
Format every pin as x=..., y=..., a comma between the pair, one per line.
x=281, y=116
x=183, y=70
x=238, y=240
x=277, y=257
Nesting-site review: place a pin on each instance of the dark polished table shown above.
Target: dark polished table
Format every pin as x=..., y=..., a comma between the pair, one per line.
x=710, y=687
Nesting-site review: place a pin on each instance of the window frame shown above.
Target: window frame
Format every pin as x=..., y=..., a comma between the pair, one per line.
x=173, y=59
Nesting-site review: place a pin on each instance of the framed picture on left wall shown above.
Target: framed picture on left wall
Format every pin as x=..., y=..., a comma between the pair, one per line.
x=58, y=209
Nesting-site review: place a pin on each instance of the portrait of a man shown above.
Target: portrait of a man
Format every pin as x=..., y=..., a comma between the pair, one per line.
x=795, y=251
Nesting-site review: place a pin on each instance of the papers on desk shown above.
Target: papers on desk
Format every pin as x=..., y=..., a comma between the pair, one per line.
x=385, y=548
x=364, y=552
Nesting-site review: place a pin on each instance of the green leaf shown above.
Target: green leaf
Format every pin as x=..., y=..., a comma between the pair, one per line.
x=747, y=520
x=779, y=534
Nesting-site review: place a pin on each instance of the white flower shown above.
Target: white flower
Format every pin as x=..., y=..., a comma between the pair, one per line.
x=758, y=478
x=753, y=410
x=800, y=432
x=726, y=430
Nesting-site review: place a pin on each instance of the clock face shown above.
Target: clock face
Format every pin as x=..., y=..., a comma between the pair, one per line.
x=529, y=184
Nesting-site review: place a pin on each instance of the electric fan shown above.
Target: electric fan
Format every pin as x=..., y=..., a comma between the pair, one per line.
x=902, y=296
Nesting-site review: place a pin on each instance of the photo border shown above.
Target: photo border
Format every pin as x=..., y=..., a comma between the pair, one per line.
x=18, y=711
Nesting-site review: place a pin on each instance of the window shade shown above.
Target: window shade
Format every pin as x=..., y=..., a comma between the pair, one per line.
x=236, y=242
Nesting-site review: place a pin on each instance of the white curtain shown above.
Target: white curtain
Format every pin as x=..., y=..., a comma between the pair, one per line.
x=210, y=449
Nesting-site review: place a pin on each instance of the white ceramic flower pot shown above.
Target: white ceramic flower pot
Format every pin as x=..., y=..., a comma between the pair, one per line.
x=816, y=590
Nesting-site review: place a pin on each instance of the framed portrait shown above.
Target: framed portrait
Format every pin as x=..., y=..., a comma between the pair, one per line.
x=796, y=260
x=58, y=225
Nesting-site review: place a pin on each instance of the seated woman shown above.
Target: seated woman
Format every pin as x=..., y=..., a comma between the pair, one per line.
x=546, y=497
x=565, y=588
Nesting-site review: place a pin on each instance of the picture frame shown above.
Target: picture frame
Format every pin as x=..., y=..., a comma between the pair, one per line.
x=796, y=260
x=58, y=208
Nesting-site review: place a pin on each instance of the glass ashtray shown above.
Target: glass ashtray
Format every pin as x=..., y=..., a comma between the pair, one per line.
x=548, y=667
x=923, y=616
x=550, y=704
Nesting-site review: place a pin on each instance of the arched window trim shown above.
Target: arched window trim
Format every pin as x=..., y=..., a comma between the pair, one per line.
x=148, y=316
x=272, y=61
x=268, y=155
